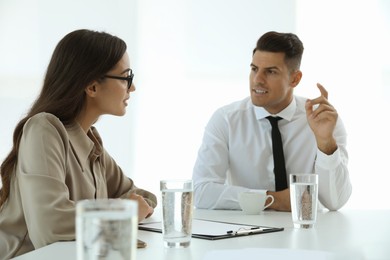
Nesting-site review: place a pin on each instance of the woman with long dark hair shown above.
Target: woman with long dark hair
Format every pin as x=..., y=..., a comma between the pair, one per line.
x=57, y=157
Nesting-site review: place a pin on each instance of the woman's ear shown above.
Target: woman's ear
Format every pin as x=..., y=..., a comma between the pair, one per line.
x=90, y=90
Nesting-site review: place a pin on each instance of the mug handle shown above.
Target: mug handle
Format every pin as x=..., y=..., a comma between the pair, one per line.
x=272, y=201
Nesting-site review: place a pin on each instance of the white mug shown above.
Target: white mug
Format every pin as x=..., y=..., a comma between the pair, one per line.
x=253, y=202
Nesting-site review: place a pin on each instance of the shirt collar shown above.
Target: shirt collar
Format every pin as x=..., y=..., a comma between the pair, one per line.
x=85, y=145
x=95, y=137
x=286, y=113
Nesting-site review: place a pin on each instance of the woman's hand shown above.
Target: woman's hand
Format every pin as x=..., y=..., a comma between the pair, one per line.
x=144, y=210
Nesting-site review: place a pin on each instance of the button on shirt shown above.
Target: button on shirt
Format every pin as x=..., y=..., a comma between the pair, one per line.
x=236, y=156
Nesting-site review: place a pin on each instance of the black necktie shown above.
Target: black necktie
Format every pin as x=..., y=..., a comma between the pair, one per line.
x=277, y=149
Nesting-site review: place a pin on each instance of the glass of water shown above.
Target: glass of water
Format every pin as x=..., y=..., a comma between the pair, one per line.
x=304, y=199
x=177, y=206
x=106, y=229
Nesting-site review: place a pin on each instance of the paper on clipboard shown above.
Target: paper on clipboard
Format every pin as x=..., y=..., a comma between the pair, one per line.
x=214, y=230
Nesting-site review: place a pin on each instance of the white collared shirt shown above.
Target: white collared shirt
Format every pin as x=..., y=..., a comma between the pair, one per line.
x=236, y=155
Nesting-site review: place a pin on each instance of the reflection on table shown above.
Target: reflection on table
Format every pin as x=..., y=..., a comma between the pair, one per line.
x=350, y=234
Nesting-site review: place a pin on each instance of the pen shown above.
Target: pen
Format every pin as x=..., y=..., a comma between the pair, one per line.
x=249, y=231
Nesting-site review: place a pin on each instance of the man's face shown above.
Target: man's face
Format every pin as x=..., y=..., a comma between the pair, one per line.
x=271, y=82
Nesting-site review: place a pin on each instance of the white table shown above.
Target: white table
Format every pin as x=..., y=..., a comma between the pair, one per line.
x=353, y=234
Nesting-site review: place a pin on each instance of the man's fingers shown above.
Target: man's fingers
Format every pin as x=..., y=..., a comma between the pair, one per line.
x=323, y=91
x=323, y=99
x=318, y=109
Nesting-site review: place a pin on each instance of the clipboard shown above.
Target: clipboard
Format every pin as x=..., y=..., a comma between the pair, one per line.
x=215, y=230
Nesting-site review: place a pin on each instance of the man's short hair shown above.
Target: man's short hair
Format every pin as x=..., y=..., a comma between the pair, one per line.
x=287, y=43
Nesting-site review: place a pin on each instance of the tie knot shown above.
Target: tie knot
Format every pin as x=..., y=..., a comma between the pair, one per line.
x=274, y=119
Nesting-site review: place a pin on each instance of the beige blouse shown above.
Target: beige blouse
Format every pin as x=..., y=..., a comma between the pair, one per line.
x=57, y=166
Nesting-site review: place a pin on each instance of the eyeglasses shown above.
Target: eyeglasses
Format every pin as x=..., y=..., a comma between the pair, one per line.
x=129, y=78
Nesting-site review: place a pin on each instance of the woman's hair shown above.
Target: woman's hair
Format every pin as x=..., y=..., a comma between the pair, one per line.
x=287, y=43
x=81, y=57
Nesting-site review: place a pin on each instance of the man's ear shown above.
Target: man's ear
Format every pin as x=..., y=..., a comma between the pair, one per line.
x=296, y=78
x=90, y=90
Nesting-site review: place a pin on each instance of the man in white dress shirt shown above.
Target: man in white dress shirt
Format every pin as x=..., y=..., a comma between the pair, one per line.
x=236, y=151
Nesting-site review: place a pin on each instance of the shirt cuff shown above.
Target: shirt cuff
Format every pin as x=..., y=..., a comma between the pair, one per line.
x=328, y=162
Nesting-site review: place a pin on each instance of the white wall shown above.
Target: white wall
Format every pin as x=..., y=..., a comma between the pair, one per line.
x=194, y=57
x=347, y=49
x=190, y=57
x=29, y=31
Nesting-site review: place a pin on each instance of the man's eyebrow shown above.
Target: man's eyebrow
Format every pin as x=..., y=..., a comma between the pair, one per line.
x=272, y=68
x=267, y=68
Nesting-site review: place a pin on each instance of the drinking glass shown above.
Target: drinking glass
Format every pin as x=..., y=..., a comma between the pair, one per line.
x=304, y=199
x=106, y=229
x=177, y=206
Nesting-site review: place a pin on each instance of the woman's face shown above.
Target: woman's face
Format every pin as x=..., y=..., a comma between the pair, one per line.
x=113, y=94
